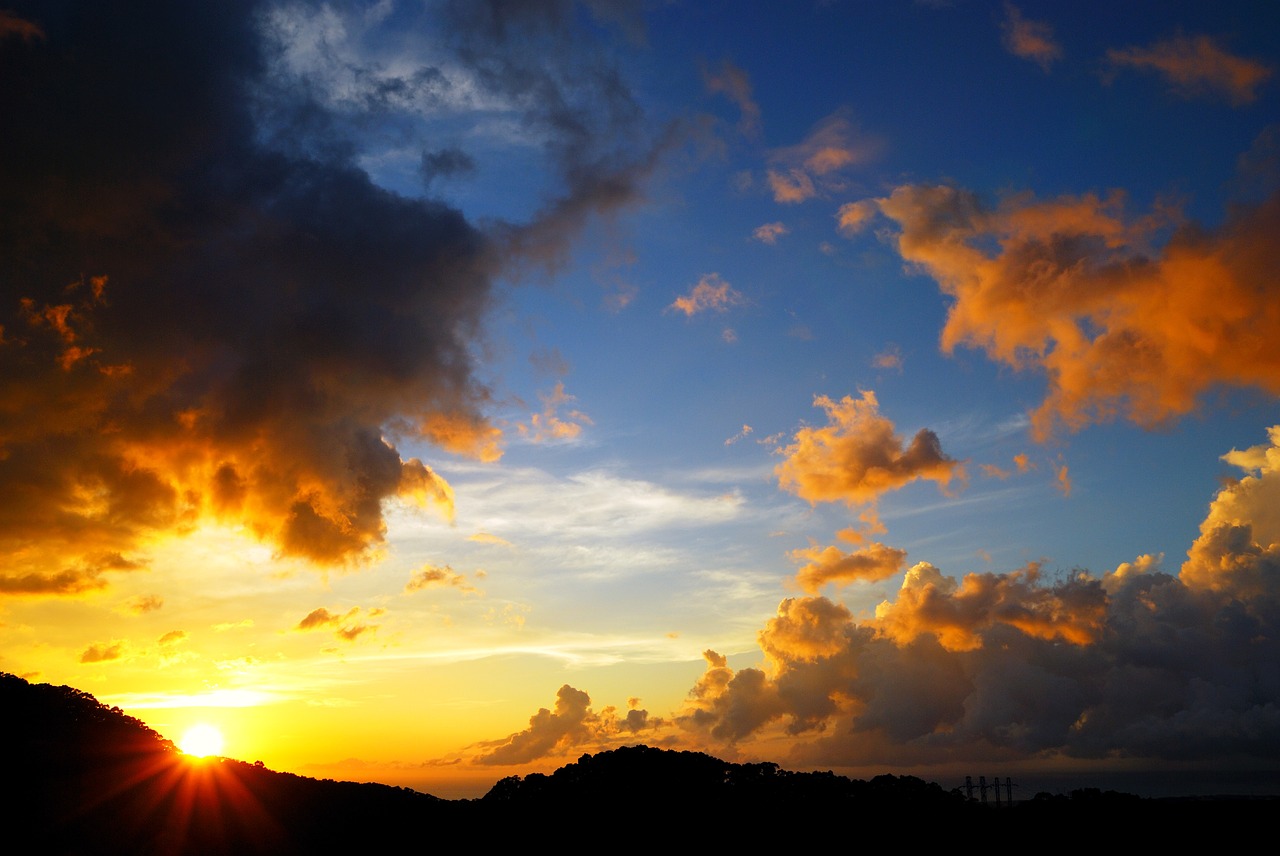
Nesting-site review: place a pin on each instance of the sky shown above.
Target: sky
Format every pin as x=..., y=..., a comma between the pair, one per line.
x=432, y=392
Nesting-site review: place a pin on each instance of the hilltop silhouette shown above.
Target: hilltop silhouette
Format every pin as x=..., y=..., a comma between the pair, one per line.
x=85, y=778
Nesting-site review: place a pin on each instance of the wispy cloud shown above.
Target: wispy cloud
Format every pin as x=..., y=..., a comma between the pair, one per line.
x=732, y=82
x=817, y=164
x=1197, y=65
x=1031, y=40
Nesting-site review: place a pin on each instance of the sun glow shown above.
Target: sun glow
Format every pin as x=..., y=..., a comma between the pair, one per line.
x=201, y=741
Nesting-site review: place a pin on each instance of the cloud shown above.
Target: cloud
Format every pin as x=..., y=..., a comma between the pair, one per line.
x=733, y=83
x=1074, y=287
x=816, y=164
x=1135, y=664
x=214, y=312
x=710, y=293
x=853, y=217
x=573, y=724
x=143, y=604
x=548, y=425
x=173, y=637
x=746, y=430
x=101, y=652
x=889, y=358
x=429, y=575
x=344, y=626
x=871, y=563
x=1238, y=550
x=769, y=233
x=445, y=163
x=857, y=456
x=1031, y=40
x=12, y=25
x=1063, y=476
x=1197, y=66
x=488, y=538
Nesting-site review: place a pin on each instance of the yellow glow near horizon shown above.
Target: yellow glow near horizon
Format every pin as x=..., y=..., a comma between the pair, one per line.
x=201, y=740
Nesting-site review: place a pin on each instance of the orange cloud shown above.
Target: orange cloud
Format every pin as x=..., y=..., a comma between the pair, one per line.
x=710, y=293
x=429, y=575
x=463, y=434
x=1073, y=287
x=769, y=233
x=741, y=435
x=1197, y=65
x=857, y=456
x=814, y=165
x=344, y=626
x=957, y=614
x=1031, y=40
x=853, y=217
x=1064, y=479
x=102, y=652
x=548, y=425
x=890, y=358
x=1132, y=663
x=1238, y=550
x=871, y=563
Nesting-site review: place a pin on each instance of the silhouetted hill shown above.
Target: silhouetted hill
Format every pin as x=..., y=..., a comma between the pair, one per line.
x=83, y=778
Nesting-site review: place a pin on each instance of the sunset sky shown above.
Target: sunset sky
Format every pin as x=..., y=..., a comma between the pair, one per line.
x=432, y=392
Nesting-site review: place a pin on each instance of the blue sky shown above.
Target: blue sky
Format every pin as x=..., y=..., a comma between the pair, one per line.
x=446, y=389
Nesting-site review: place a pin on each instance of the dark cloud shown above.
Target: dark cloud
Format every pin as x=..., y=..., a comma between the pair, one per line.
x=445, y=163
x=208, y=310
x=572, y=725
x=1135, y=663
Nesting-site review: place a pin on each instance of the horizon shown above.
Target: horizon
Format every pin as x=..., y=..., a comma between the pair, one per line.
x=445, y=390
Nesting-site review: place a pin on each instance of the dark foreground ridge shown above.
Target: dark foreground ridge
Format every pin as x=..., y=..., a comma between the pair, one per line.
x=87, y=779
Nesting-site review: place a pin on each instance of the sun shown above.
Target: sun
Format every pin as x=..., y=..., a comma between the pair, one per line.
x=201, y=740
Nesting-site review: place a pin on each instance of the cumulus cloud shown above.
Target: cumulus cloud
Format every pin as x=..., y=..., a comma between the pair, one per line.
x=173, y=637
x=711, y=293
x=1031, y=40
x=1073, y=286
x=213, y=312
x=1238, y=551
x=1197, y=65
x=732, y=82
x=1134, y=664
x=824, y=565
x=816, y=164
x=429, y=575
x=572, y=725
x=858, y=455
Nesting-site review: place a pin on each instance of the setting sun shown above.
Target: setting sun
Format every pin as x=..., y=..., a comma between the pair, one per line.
x=201, y=740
